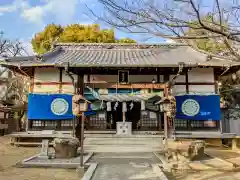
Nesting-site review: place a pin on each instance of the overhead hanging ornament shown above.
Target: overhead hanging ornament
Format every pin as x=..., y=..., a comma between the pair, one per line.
x=102, y=105
x=109, y=108
x=115, y=106
x=131, y=106
x=143, y=107
x=124, y=107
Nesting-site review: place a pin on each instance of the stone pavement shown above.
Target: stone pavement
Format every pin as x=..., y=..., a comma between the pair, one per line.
x=124, y=166
x=218, y=167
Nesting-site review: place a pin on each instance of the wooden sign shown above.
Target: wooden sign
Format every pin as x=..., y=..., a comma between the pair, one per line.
x=123, y=77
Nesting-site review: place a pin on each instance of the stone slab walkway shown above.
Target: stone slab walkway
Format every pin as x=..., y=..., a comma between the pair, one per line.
x=219, y=167
x=125, y=166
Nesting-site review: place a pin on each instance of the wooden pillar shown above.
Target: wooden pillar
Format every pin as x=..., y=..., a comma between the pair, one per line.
x=235, y=144
x=60, y=79
x=80, y=84
x=166, y=120
x=216, y=88
x=31, y=88
x=187, y=83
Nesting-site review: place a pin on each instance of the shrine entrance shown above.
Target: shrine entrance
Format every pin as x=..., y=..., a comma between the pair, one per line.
x=134, y=114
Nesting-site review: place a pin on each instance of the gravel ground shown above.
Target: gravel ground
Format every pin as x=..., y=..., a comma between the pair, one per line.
x=10, y=155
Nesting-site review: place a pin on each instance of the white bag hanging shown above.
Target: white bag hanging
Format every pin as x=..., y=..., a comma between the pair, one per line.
x=143, y=105
x=124, y=107
x=131, y=106
x=102, y=105
x=109, y=108
x=115, y=106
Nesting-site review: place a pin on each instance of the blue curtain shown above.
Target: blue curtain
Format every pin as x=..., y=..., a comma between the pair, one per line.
x=46, y=107
x=197, y=107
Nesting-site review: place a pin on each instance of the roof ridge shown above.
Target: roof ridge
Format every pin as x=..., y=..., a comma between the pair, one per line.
x=120, y=44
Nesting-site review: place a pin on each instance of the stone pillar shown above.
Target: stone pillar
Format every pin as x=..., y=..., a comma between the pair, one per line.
x=44, y=149
x=235, y=144
x=124, y=109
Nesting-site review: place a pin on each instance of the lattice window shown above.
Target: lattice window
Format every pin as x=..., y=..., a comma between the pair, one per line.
x=148, y=120
x=37, y=123
x=66, y=123
x=180, y=123
x=197, y=124
x=98, y=121
x=50, y=123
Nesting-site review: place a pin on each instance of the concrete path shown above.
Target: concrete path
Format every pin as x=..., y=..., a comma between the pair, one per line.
x=125, y=166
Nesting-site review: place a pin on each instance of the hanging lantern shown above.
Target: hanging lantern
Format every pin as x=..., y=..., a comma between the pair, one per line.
x=109, y=108
x=124, y=107
x=143, y=107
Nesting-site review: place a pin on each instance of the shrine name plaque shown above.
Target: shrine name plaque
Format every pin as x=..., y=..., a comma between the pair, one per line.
x=123, y=77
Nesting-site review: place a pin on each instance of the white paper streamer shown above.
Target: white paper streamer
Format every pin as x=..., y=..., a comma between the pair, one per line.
x=124, y=107
x=115, y=106
x=109, y=108
x=131, y=106
x=143, y=105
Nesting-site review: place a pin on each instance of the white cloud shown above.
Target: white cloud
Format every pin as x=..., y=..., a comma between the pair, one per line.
x=170, y=41
x=61, y=10
x=33, y=14
x=17, y=4
x=27, y=48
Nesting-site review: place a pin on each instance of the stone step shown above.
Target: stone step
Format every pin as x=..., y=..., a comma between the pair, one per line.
x=121, y=141
x=123, y=136
x=117, y=148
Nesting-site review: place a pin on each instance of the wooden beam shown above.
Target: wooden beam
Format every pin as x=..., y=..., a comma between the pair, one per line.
x=80, y=84
x=195, y=83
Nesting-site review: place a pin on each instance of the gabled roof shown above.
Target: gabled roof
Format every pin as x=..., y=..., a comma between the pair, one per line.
x=118, y=55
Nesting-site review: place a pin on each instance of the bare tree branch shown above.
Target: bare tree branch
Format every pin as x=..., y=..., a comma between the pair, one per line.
x=174, y=18
x=14, y=85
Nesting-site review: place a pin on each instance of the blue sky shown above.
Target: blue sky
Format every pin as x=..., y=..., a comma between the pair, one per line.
x=21, y=19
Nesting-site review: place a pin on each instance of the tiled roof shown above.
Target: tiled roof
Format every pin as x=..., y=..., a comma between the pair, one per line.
x=117, y=55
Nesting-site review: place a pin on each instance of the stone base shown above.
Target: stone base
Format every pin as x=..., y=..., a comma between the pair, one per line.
x=43, y=157
x=66, y=148
x=185, y=151
x=80, y=171
x=124, y=128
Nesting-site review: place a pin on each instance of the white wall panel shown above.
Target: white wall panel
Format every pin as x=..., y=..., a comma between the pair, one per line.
x=201, y=75
x=46, y=75
x=178, y=89
x=46, y=88
x=202, y=88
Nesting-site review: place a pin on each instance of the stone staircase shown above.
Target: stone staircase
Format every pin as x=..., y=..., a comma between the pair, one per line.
x=121, y=143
